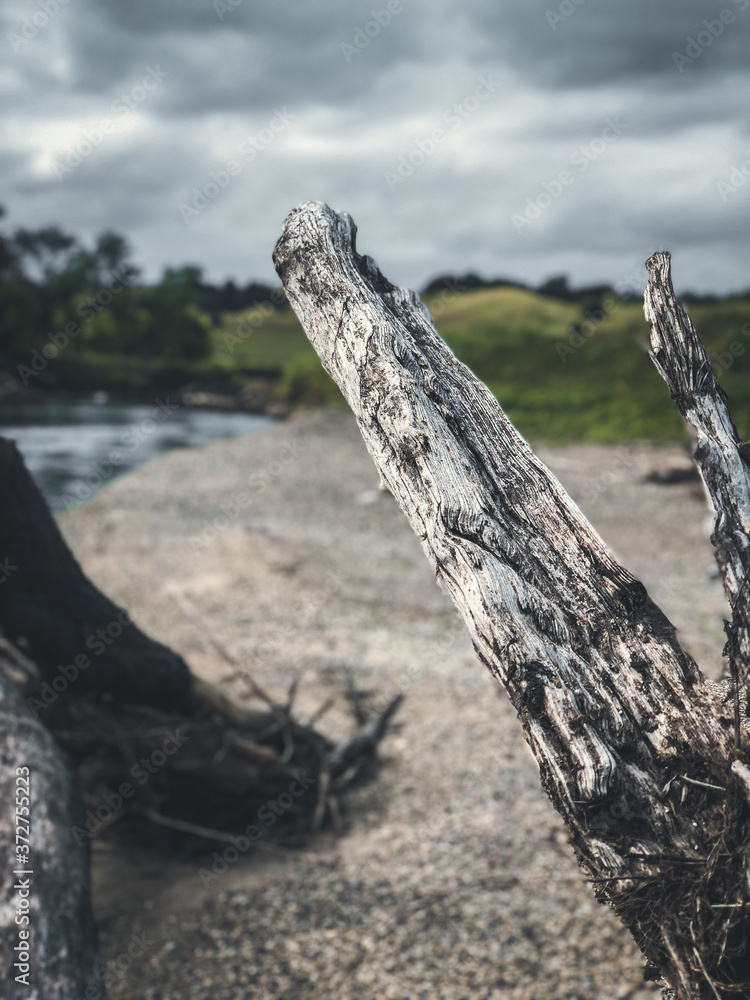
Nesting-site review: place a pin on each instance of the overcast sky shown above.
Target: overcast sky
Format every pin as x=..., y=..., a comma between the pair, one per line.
x=533, y=138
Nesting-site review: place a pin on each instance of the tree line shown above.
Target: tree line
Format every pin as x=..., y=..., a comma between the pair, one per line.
x=58, y=293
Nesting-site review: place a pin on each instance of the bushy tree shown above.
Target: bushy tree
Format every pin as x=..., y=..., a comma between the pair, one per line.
x=48, y=278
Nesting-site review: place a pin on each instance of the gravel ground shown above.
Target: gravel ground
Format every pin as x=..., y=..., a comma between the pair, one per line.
x=453, y=877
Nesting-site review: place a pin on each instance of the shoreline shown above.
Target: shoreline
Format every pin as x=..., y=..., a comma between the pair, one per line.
x=259, y=394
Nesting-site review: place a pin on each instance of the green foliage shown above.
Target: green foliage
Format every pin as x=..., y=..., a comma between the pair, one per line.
x=18, y=319
x=567, y=371
x=262, y=339
x=159, y=322
x=50, y=282
x=127, y=373
x=563, y=370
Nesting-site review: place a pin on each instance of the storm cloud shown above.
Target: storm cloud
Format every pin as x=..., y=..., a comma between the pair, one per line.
x=521, y=138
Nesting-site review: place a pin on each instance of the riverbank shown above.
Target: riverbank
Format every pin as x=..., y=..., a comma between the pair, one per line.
x=245, y=392
x=454, y=877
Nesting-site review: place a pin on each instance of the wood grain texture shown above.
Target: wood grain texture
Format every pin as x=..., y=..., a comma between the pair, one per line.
x=627, y=734
x=682, y=361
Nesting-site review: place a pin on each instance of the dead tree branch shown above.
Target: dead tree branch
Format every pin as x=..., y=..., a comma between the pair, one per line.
x=631, y=745
x=682, y=361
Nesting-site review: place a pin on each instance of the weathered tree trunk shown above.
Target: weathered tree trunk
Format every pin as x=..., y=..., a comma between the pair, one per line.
x=50, y=608
x=49, y=910
x=635, y=749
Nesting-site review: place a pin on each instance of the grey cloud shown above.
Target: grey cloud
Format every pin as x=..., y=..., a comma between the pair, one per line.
x=356, y=118
x=606, y=41
x=258, y=55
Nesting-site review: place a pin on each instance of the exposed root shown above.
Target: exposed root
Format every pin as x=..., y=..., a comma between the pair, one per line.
x=181, y=782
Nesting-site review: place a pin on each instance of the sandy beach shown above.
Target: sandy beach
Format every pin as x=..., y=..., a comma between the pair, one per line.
x=452, y=876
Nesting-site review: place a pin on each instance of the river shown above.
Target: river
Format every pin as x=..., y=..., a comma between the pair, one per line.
x=74, y=447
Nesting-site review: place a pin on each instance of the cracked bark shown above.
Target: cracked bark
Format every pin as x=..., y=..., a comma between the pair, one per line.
x=682, y=361
x=635, y=749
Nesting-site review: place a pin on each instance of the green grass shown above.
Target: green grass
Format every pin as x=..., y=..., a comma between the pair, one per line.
x=255, y=341
x=557, y=378
x=602, y=387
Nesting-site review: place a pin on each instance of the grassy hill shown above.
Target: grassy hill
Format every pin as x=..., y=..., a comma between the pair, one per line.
x=563, y=371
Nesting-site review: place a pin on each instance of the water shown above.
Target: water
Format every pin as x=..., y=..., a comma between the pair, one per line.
x=72, y=448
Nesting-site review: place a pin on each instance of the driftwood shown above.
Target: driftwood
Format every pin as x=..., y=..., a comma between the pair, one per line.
x=681, y=359
x=639, y=754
